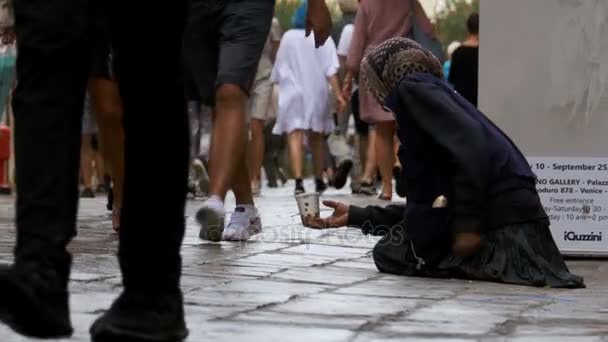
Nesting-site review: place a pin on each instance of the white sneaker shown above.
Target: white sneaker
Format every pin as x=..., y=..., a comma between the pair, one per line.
x=211, y=219
x=244, y=223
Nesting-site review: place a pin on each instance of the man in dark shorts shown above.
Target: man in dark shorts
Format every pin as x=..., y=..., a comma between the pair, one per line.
x=223, y=43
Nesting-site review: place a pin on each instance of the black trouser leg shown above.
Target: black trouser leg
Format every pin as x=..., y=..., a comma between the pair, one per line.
x=52, y=67
x=156, y=132
x=270, y=145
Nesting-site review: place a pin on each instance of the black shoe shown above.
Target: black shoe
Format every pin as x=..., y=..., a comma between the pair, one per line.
x=33, y=303
x=110, y=204
x=400, y=182
x=142, y=316
x=272, y=185
x=299, y=187
x=342, y=173
x=87, y=193
x=320, y=186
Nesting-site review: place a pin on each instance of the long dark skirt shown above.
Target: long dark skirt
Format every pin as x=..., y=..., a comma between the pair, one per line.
x=522, y=254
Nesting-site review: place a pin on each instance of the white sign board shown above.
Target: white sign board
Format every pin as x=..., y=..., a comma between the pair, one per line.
x=543, y=78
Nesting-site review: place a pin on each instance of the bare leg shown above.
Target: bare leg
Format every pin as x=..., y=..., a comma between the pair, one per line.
x=256, y=153
x=108, y=108
x=228, y=140
x=396, y=145
x=109, y=111
x=99, y=167
x=370, y=158
x=385, y=155
x=317, y=141
x=86, y=161
x=295, y=140
x=363, y=148
x=241, y=185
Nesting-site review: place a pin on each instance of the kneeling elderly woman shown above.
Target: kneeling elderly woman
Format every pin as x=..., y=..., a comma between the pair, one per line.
x=472, y=208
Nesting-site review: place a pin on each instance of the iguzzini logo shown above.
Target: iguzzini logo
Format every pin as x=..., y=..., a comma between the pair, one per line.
x=573, y=236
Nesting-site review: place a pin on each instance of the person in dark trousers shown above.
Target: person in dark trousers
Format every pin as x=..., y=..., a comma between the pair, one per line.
x=55, y=50
x=465, y=63
x=472, y=208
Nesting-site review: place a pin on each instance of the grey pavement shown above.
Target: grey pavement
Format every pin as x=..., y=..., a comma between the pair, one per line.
x=294, y=284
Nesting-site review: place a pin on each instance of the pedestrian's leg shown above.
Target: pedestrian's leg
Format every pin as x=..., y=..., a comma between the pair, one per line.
x=257, y=151
x=295, y=140
x=319, y=153
x=396, y=145
x=371, y=166
x=271, y=150
x=151, y=305
x=158, y=253
x=241, y=185
x=245, y=221
x=385, y=156
x=329, y=160
x=296, y=155
x=195, y=116
x=317, y=144
x=100, y=169
x=357, y=169
x=197, y=178
x=364, y=147
x=52, y=66
x=235, y=34
x=86, y=166
x=109, y=112
x=259, y=109
x=228, y=139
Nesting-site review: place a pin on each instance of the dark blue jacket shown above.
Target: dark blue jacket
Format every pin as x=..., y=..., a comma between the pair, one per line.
x=449, y=148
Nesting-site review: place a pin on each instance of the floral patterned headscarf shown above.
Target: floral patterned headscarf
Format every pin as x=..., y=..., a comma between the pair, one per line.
x=383, y=67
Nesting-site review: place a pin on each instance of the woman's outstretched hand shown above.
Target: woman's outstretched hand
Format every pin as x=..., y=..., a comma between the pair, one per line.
x=338, y=219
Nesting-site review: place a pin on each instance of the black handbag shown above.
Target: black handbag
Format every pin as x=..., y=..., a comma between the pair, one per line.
x=427, y=42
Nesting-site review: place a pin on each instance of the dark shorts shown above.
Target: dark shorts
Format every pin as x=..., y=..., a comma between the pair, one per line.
x=223, y=42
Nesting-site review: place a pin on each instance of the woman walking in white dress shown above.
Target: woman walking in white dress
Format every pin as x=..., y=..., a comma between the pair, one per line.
x=304, y=75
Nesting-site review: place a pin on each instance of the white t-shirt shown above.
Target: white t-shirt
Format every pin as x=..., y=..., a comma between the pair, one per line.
x=345, y=39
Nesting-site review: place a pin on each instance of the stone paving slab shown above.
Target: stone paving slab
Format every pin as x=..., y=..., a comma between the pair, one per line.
x=295, y=284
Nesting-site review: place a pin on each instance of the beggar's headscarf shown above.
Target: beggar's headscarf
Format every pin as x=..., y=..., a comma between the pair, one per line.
x=383, y=67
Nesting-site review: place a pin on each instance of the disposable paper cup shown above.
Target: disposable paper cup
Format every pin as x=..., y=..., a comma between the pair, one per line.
x=308, y=205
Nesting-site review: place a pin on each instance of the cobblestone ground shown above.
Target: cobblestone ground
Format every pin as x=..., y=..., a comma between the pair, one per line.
x=292, y=284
